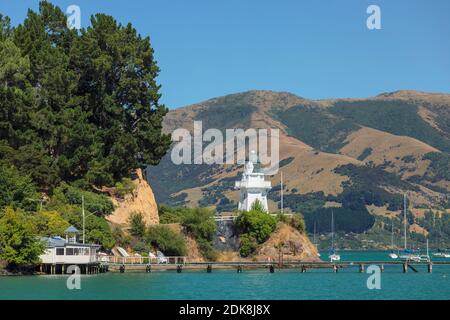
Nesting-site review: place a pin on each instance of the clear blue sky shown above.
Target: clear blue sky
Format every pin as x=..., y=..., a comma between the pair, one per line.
x=315, y=49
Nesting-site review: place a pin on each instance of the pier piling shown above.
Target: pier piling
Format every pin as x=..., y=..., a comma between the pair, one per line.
x=209, y=268
x=405, y=268
x=271, y=269
x=361, y=268
x=179, y=268
x=239, y=269
x=430, y=267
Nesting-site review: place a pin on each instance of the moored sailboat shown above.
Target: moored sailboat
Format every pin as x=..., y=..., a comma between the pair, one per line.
x=333, y=256
x=392, y=254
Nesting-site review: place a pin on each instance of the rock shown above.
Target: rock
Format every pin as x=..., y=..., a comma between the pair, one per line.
x=225, y=238
x=142, y=200
x=293, y=246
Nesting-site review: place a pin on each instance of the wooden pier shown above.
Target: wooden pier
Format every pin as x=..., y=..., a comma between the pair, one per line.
x=179, y=264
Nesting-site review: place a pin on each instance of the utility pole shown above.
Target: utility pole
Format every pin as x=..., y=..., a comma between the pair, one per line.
x=281, y=193
x=84, y=218
x=404, y=218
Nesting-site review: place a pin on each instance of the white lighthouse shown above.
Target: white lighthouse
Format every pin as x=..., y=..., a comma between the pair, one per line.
x=252, y=185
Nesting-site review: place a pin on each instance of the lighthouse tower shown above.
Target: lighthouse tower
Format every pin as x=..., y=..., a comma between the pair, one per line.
x=252, y=185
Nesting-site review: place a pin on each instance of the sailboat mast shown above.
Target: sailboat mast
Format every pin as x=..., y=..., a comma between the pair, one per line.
x=315, y=233
x=392, y=235
x=281, y=192
x=332, y=229
x=404, y=218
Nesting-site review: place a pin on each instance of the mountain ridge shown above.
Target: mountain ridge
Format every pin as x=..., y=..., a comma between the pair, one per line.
x=331, y=151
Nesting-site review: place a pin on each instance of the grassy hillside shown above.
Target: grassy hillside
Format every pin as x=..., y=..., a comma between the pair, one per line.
x=346, y=154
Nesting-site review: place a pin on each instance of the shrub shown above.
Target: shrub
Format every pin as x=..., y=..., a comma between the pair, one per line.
x=124, y=187
x=248, y=245
x=19, y=244
x=50, y=223
x=199, y=223
x=166, y=240
x=16, y=190
x=137, y=224
x=256, y=224
x=170, y=215
x=94, y=203
x=296, y=221
x=120, y=237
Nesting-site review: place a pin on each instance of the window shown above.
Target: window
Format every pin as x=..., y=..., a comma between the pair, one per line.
x=69, y=251
x=59, y=251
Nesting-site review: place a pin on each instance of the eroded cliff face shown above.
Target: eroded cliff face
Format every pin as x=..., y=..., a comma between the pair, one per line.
x=291, y=243
x=142, y=200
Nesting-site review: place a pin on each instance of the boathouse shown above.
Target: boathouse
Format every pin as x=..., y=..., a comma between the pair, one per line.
x=61, y=253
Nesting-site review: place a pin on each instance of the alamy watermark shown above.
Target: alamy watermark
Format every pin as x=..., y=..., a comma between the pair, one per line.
x=238, y=145
x=73, y=17
x=74, y=280
x=373, y=22
x=374, y=280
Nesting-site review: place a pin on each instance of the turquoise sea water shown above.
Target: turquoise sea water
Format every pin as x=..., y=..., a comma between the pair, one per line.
x=227, y=284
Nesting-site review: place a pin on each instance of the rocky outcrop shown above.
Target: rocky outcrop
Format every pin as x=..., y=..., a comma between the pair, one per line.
x=142, y=200
x=290, y=242
x=225, y=238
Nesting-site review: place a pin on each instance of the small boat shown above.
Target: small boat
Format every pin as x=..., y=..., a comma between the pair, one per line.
x=407, y=255
x=441, y=254
x=333, y=256
x=392, y=254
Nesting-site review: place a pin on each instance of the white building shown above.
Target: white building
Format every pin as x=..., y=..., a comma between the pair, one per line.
x=253, y=186
x=61, y=253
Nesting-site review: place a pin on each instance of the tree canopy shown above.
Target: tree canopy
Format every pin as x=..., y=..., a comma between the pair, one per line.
x=78, y=106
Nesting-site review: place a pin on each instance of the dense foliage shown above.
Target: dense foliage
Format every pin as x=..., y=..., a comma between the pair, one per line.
x=137, y=224
x=166, y=240
x=16, y=190
x=78, y=106
x=19, y=245
x=79, y=110
x=197, y=222
x=254, y=227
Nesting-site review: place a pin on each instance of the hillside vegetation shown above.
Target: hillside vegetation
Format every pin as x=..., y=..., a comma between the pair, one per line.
x=344, y=155
x=79, y=114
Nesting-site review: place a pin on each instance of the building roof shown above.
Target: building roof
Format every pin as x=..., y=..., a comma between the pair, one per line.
x=57, y=242
x=71, y=229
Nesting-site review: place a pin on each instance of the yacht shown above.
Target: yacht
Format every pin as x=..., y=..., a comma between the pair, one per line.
x=392, y=254
x=333, y=256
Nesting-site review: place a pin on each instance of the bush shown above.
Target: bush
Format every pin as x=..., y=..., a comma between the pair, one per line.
x=248, y=245
x=199, y=223
x=166, y=240
x=94, y=203
x=19, y=244
x=170, y=215
x=137, y=224
x=50, y=223
x=296, y=221
x=17, y=191
x=120, y=238
x=124, y=187
x=259, y=225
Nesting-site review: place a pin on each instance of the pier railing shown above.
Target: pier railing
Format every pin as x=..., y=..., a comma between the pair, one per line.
x=142, y=260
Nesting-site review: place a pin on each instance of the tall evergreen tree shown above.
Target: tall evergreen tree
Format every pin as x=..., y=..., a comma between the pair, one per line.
x=78, y=106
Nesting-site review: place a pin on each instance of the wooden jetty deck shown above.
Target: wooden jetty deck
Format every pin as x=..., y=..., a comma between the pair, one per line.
x=144, y=264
